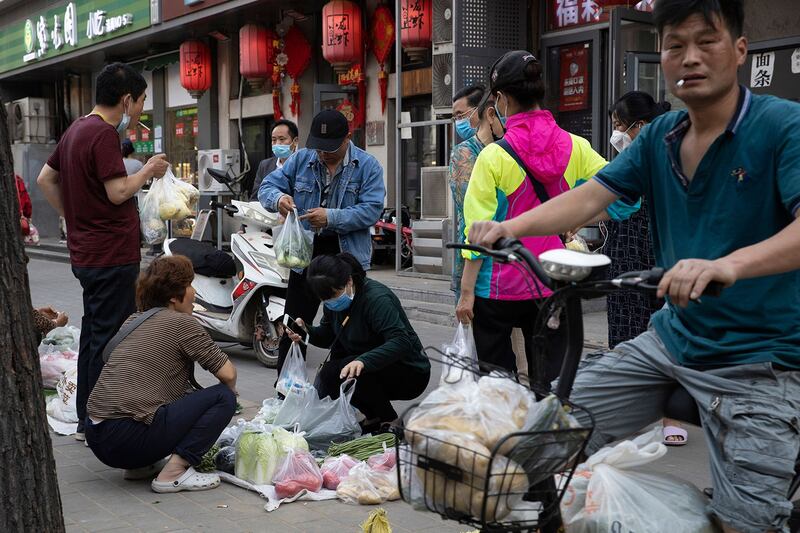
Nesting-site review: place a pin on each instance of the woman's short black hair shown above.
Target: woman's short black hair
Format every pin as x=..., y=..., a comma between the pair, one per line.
x=293, y=131
x=328, y=274
x=673, y=12
x=634, y=106
x=528, y=93
x=127, y=147
x=115, y=81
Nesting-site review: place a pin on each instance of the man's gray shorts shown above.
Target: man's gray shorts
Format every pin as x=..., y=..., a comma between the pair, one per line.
x=749, y=415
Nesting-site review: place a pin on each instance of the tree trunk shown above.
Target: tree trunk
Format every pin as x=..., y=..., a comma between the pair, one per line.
x=29, y=497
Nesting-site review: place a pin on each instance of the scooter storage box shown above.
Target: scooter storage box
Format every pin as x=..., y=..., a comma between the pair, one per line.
x=205, y=258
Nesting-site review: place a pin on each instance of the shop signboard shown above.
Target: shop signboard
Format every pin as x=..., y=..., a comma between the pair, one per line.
x=567, y=13
x=69, y=26
x=574, y=78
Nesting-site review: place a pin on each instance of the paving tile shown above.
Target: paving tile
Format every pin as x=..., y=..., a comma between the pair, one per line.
x=297, y=513
x=76, y=474
x=113, y=524
x=267, y=524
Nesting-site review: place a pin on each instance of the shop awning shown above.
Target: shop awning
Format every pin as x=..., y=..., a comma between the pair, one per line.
x=162, y=60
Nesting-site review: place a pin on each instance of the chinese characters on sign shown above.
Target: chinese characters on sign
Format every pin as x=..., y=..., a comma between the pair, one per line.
x=574, y=79
x=574, y=12
x=412, y=15
x=338, y=30
x=66, y=33
x=761, y=70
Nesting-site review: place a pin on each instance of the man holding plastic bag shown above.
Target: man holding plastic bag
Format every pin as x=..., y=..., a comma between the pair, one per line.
x=333, y=189
x=85, y=181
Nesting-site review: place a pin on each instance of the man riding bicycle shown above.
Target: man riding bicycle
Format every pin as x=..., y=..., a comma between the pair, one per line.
x=723, y=182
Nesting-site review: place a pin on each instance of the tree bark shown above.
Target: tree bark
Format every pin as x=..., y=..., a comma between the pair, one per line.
x=29, y=496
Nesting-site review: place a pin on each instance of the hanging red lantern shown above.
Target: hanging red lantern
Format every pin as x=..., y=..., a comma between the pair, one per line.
x=195, y=67
x=298, y=57
x=415, y=27
x=342, y=39
x=382, y=37
x=256, y=53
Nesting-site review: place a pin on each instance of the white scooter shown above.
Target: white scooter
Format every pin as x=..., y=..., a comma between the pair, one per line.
x=243, y=299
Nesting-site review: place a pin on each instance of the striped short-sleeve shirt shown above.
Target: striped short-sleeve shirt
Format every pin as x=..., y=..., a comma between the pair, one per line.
x=152, y=366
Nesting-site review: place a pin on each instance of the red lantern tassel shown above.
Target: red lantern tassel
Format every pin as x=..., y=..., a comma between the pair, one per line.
x=295, y=105
x=383, y=84
x=276, y=104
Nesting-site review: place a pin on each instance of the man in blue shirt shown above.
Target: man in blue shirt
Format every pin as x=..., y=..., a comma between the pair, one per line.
x=723, y=182
x=338, y=191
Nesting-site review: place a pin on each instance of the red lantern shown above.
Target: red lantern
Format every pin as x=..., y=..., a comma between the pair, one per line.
x=382, y=33
x=195, y=67
x=342, y=39
x=256, y=52
x=415, y=27
x=298, y=51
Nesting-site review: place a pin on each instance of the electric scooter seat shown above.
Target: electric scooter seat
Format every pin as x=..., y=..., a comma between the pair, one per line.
x=205, y=258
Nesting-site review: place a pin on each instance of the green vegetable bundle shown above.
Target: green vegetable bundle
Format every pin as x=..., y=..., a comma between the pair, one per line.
x=207, y=462
x=363, y=448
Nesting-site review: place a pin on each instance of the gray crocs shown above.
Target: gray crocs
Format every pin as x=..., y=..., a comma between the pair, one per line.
x=190, y=480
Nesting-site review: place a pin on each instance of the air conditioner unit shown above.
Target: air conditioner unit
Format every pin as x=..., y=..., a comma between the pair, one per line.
x=218, y=159
x=442, y=21
x=442, y=82
x=30, y=120
x=435, y=200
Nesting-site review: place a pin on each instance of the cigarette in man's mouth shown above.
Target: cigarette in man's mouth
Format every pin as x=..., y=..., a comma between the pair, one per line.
x=680, y=83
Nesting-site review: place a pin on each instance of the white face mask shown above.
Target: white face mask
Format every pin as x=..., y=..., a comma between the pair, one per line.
x=620, y=140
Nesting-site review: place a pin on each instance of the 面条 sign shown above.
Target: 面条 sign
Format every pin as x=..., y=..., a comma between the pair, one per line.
x=69, y=26
x=574, y=79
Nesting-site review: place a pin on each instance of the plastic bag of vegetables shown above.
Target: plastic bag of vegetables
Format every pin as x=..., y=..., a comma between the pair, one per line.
x=293, y=244
x=257, y=457
x=225, y=460
x=335, y=469
x=459, y=353
x=61, y=339
x=326, y=420
x=153, y=228
x=366, y=486
x=297, y=472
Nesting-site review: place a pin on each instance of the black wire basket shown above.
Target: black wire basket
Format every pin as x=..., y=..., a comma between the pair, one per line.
x=515, y=486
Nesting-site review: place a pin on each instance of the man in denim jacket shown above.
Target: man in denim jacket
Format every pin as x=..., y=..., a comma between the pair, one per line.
x=338, y=191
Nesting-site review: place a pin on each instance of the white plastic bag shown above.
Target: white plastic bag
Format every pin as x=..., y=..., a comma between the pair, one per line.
x=293, y=374
x=335, y=469
x=459, y=353
x=366, y=486
x=324, y=420
x=60, y=339
x=54, y=363
x=153, y=228
x=607, y=495
x=168, y=199
x=293, y=244
x=62, y=407
x=269, y=410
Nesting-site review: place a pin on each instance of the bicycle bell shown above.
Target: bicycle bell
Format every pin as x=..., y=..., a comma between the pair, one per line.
x=569, y=265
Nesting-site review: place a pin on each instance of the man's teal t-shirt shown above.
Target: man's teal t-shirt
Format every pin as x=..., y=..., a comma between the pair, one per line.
x=745, y=190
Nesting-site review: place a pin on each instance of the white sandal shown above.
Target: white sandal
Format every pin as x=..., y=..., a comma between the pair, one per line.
x=190, y=480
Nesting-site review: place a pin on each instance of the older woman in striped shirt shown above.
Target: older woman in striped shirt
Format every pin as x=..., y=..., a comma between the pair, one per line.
x=139, y=411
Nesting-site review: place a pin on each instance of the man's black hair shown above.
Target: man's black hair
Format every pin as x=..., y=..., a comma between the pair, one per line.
x=293, y=131
x=115, y=81
x=673, y=12
x=473, y=94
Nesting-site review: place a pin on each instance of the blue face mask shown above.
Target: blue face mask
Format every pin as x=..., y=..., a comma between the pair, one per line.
x=465, y=129
x=340, y=303
x=282, y=151
x=500, y=116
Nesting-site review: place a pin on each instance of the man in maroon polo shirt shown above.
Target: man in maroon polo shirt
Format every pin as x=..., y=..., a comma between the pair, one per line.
x=86, y=182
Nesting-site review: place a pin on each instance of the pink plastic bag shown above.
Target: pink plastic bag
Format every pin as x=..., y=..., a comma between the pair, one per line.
x=383, y=461
x=335, y=469
x=299, y=471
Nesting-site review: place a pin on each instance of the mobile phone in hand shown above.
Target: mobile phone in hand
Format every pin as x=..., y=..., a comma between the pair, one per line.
x=292, y=324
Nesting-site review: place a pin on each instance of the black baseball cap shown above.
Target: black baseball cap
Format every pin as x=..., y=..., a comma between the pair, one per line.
x=328, y=130
x=510, y=69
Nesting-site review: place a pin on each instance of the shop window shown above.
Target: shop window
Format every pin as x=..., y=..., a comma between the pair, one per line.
x=181, y=135
x=426, y=148
x=141, y=135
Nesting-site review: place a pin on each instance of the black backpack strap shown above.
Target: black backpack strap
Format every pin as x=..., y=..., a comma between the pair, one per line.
x=126, y=330
x=541, y=192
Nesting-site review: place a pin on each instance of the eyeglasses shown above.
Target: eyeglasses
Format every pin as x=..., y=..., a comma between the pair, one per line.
x=466, y=114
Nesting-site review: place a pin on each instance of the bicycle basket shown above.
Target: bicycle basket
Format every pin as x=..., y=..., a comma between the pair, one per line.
x=515, y=486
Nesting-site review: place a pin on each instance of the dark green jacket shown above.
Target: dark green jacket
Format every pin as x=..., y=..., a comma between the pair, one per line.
x=378, y=331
